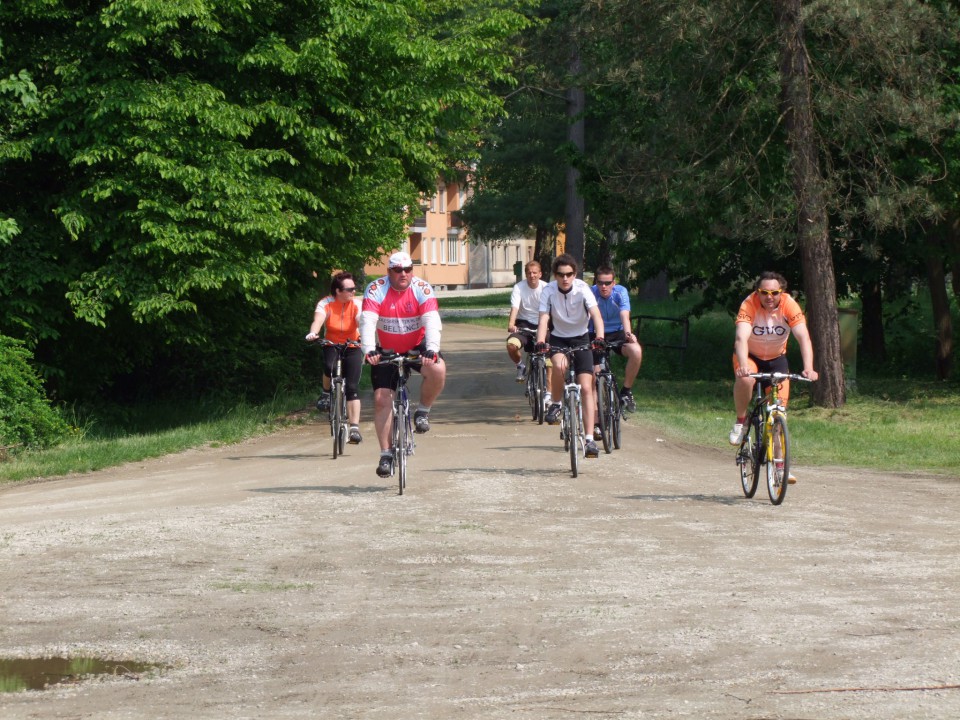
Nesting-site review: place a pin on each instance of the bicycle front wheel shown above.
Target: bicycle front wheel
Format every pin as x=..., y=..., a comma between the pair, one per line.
x=778, y=469
x=540, y=379
x=336, y=419
x=616, y=414
x=399, y=440
x=574, y=431
x=604, y=414
x=749, y=462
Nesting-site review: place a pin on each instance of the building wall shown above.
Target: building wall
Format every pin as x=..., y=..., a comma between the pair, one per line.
x=441, y=255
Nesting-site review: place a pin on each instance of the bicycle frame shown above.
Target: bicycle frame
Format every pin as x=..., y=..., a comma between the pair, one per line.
x=401, y=434
x=571, y=422
x=609, y=410
x=770, y=447
x=337, y=414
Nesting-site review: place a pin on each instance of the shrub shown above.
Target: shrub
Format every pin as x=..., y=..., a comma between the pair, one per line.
x=26, y=416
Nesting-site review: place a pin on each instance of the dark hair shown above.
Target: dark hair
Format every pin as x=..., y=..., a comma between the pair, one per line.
x=771, y=275
x=603, y=270
x=564, y=259
x=336, y=282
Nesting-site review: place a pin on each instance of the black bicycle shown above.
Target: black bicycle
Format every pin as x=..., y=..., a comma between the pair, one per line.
x=609, y=409
x=337, y=413
x=535, y=379
x=401, y=433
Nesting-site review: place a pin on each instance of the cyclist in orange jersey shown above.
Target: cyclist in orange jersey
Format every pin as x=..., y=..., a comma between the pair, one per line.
x=339, y=312
x=766, y=318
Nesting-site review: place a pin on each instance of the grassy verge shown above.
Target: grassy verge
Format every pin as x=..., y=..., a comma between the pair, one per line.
x=153, y=431
x=886, y=424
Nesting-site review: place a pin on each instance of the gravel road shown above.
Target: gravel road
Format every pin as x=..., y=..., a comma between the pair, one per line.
x=271, y=581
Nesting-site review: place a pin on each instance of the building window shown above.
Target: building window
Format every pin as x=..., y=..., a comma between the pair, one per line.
x=453, y=249
x=442, y=194
x=433, y=246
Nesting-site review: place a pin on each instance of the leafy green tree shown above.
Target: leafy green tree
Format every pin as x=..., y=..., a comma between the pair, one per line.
x=26, y=418
x=187, y=165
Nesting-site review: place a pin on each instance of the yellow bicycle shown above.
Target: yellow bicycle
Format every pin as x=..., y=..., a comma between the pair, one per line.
x=766, y=441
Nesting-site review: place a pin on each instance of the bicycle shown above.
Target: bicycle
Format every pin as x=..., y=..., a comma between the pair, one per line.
x=766, y=441
x=609, y=409
x=337, y=413
x=401, y=433
x=535, y=377
x=572, y=431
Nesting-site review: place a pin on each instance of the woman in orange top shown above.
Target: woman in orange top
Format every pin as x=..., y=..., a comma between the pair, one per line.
x=766, y=318
x=339, y=312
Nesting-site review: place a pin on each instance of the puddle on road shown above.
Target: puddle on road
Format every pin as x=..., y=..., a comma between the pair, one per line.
x=39, y=673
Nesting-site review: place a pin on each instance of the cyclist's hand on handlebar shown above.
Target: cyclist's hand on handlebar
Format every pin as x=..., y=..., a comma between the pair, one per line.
x=541, y=347
x=511, y=328
x=311, y=337
x=810, y=375
x=373, y=357
x=599, y=343
x=431, y=356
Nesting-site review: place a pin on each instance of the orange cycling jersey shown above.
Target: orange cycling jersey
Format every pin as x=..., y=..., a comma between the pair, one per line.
x=769, y=328
x=341, y=319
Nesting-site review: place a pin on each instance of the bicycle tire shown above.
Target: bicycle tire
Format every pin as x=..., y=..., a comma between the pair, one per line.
x=399, y=448
x=616, y=415
x=749, y=462
x=336, y=419
x=777, y=478
x=604, y=415
x=541, y=380
x=532, y=390
x=574, y=433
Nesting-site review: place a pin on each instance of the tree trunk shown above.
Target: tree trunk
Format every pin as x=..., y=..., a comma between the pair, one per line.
x=812, y=223
x=942, y=322
x=543, y=250
x=953, y=248
x=874, y=341
x=575, y=213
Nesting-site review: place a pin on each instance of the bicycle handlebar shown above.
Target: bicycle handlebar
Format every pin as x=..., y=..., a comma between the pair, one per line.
x=779, y=376
x=400, y=359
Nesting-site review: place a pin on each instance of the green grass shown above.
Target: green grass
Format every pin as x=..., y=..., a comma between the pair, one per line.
x=493, y=300
x=154, y=431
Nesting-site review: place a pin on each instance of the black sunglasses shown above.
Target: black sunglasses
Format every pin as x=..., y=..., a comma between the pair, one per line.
x=353, y=288
x=407, y=269
x=564, y=275
x=604, y=282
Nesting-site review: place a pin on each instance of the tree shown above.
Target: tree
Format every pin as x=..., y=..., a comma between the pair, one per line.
x=188, y=165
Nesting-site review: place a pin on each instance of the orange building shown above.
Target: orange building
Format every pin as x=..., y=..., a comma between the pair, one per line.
x=441, y=255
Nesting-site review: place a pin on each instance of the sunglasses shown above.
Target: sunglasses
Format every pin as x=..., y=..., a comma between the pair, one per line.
x=773, y=293
x=564, y=275
x=407, y=269
x=604, y=283
x=349, y=289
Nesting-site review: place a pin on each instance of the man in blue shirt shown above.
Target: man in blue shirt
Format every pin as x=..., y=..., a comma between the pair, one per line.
x=614, y=304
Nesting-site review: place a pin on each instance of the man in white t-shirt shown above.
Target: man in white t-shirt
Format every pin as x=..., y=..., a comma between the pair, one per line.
x=569, y=304
x=524, y=317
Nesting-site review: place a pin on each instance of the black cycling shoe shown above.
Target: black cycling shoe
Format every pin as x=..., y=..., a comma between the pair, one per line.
x=323, y=404
x=386, y=466
x=421, y=422
x=354, y=437
x=591, y=450
x=626, y=399
x=553, y=415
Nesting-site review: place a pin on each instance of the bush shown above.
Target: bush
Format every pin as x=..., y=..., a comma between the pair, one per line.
x=26, y=417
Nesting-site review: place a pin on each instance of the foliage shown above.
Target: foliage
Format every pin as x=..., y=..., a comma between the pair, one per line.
x=26, y=417
x=186, y=166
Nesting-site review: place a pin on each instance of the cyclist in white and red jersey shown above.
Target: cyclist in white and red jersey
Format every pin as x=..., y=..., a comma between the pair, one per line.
x=766, y=318
x=400, y=313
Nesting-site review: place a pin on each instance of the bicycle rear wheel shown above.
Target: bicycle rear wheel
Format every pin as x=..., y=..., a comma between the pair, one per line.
x=574, y=431
x=749, y=462
x=778, y=469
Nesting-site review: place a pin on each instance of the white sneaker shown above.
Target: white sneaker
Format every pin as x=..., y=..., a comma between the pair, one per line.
x=736, y=435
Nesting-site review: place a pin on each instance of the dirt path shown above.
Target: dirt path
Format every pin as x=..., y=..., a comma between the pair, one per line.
x=276, y=582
